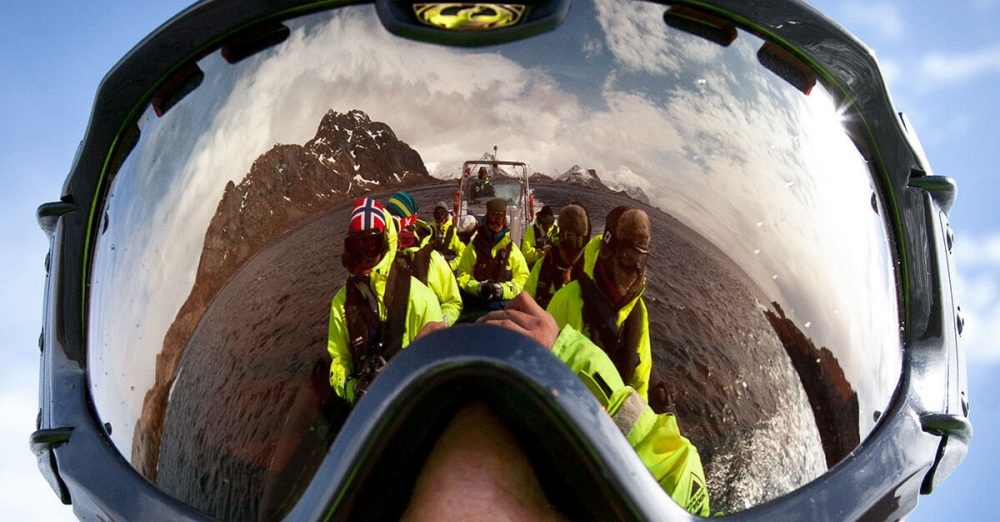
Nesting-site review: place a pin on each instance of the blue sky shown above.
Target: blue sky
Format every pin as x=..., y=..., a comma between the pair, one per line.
x=942, y=62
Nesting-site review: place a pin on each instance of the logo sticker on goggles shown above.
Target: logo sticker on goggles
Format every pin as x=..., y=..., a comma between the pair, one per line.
x=469, y=17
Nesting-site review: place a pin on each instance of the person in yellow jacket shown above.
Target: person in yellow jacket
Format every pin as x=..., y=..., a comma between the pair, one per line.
x=669, y=456
x=565, y=263
x=444, y=236
x=430, y=268
x=605, y=302
x=492, y=269
x=540, y=237
x=380, y=309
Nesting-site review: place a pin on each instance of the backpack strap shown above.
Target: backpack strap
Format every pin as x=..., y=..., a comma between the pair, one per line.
x=420, y=265
x=364, y=329
x=397, y=300
x=599, y=316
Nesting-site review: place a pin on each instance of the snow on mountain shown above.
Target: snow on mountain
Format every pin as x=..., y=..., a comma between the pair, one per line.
x=582, y=177
x=577, y=175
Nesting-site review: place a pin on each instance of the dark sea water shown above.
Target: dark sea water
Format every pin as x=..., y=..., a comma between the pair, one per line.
x=251, y=413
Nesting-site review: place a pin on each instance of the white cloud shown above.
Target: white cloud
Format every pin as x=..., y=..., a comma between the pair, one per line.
x=892, y=71
x=981, y=310
x=634, y=36
x=941, y=69
x=883, y=19
x=978, y=263
x=24, y=494
x=978, y=252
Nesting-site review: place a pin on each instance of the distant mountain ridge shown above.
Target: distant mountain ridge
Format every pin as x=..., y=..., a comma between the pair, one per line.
x=588, y=178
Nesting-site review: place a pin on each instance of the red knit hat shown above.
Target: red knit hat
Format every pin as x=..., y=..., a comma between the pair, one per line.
x=366, y=216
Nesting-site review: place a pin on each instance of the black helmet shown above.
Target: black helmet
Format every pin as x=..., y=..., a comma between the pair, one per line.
x=802, y=323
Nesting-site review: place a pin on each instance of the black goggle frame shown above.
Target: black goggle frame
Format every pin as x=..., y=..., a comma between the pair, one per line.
x=917, y=443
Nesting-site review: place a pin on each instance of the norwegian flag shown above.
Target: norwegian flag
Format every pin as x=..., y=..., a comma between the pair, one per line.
x=367, y=215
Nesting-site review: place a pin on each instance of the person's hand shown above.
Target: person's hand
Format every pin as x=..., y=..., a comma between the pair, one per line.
x=496, y=292
x=491, y=291
x=432, y=326
x=523, y=315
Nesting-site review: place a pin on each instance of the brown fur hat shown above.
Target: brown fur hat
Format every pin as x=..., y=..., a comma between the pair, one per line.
x=634, y=228
x=573, y=218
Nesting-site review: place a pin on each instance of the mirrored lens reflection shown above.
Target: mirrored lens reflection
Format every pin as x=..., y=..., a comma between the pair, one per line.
x=770, y=294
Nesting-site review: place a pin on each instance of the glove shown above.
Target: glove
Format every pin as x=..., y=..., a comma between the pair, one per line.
x=496, y=292
x=490, y=291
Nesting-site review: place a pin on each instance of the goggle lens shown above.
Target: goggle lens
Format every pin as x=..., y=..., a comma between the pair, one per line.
x=633, y=259
x=362, y=253
x=572, y=240
x=365, y=246
x=757, y=276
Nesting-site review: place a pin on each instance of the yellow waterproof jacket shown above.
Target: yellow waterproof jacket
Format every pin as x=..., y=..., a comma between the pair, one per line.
x=515, y=263
x=531, y=253
x=454, y=244
x=567, y=308
x=422, y=308
x=531, y=287
x=441, y=281
x=670, y=457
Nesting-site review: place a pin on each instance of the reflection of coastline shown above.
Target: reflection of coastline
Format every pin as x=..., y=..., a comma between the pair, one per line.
x=834, y=402
x=286, y=186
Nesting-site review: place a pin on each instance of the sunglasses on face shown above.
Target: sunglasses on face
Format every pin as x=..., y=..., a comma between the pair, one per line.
x=572, y=240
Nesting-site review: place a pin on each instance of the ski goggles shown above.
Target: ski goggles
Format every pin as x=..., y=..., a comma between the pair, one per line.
x=363, y=251
x=572, y=240
x=632, y=258
x=801, y=320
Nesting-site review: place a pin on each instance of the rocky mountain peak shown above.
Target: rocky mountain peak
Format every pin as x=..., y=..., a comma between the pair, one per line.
x=577, y=175
x=286, y=186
